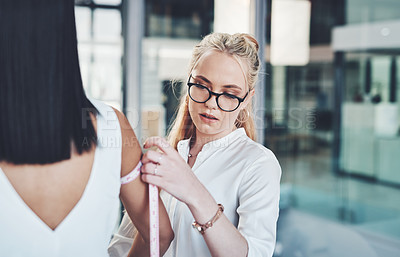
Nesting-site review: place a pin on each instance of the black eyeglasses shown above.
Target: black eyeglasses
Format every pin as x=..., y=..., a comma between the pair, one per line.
x=201, y=94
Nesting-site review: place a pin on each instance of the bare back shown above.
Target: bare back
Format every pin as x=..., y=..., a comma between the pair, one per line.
x=51, y=191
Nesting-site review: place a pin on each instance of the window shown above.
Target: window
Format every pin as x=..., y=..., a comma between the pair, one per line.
x=100, y=46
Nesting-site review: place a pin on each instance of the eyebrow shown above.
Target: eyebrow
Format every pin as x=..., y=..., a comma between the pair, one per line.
x=233, y=86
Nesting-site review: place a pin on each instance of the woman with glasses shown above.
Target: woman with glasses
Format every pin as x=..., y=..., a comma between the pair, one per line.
x=220, y=187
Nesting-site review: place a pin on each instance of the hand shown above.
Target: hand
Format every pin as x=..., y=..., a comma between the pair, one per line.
x=166, y=169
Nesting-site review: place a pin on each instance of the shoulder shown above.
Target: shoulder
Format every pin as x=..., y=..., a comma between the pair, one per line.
x=255, y=152
x=121, y=117
x=261, y=162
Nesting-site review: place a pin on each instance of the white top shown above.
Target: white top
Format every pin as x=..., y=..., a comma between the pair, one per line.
x=87, y=229
x=239, y=173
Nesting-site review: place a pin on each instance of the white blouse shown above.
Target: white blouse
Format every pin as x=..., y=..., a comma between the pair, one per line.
x=239, y=173
x=87, y=229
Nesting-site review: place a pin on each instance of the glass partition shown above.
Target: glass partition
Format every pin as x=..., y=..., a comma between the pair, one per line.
x=370, y=141
x=358, y=202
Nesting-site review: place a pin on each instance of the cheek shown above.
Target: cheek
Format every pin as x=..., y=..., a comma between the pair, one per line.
x=229, y=118
x=194, y=110
x=191, y=107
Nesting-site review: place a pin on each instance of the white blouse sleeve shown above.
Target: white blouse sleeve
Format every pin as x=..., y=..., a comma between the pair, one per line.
x=259, y=205
x=122, y=241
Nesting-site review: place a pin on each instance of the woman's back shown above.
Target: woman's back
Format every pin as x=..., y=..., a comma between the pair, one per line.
x=68, y=208
x=51, y=190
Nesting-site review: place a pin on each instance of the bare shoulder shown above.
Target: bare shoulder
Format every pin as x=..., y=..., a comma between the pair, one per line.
x=131, y=150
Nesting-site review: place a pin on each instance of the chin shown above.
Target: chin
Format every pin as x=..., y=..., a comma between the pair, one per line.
x=210, y=129
x=206, y=129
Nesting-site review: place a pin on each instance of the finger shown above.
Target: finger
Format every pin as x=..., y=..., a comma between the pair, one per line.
x=152, y=179
x=149, y=168
x=152, y=156
x=159, y=142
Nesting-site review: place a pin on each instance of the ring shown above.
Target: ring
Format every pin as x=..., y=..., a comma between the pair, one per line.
x=155, y=170
x=159, y=159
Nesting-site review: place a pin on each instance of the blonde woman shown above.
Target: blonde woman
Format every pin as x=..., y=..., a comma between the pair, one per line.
x=220, y=187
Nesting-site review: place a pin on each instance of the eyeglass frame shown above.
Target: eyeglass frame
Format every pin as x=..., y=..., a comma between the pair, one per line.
x=211, y=93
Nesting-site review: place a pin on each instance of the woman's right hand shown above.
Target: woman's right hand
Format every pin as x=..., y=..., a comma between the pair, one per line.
x=167, y=169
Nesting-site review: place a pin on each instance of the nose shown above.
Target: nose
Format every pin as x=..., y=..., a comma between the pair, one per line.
x=212, y=102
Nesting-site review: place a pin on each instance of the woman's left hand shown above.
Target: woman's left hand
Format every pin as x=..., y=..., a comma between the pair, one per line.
x=167, y=170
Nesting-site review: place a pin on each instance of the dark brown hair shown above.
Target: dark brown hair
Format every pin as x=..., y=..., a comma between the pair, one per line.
x=43, y=107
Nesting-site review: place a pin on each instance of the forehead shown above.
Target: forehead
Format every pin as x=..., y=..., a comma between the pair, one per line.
x=220, y=69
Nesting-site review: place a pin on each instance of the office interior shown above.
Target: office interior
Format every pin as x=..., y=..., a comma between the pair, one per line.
x=328, y=102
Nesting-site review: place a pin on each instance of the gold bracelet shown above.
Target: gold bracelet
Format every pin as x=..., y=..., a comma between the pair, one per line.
x=203, y=227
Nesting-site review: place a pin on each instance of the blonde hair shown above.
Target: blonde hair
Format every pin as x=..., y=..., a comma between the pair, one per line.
x=243, y=47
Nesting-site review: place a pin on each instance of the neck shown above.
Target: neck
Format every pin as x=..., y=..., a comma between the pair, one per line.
x=201, y=139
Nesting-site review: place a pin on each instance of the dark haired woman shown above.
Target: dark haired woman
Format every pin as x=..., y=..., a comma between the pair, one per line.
x=62, y=156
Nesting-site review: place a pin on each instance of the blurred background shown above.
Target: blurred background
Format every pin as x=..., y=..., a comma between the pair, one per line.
x=327, y=101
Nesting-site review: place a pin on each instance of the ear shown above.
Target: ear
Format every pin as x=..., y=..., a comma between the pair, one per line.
x=248, y=99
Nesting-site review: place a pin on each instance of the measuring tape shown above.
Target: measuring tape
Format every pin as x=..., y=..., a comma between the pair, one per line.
x=154, y=222
x=153, y=209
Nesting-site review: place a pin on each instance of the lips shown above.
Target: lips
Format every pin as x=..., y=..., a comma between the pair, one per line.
x=208, y=116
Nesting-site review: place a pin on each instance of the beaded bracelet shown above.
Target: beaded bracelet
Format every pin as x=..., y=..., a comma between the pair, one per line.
x=203, y=227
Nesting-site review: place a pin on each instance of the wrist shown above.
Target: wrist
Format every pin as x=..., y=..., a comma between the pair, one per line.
x=202, y=205
x=198, y=197
x=203, y=227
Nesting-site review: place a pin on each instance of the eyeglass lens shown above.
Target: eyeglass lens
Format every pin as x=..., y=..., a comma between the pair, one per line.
x=202, y=94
